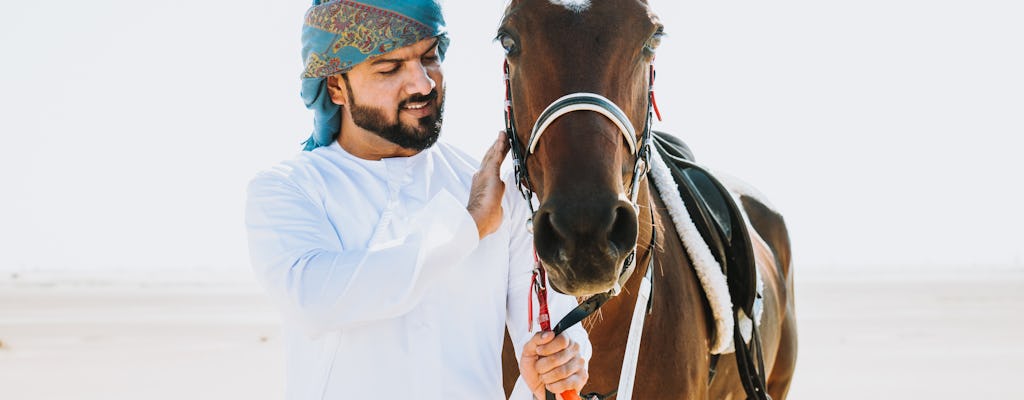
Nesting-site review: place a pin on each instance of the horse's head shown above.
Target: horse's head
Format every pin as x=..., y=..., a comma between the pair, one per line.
x=580, y=164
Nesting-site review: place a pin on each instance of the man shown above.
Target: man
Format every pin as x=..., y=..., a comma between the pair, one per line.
x=396, y=267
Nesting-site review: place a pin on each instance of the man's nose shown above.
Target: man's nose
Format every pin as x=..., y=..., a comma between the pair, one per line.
x=419, y=82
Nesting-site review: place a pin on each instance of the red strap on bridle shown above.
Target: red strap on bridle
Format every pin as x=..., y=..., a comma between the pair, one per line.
x=539, y=286
x=508, y=97
x=654, y=103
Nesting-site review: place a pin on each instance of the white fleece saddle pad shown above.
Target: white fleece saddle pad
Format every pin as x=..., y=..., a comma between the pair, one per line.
x=709, y=272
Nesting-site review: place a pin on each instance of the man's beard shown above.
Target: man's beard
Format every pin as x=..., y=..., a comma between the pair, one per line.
x=418, y=137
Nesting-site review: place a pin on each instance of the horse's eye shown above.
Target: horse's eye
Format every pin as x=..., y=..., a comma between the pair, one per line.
x=507, y=42
x=652, y=44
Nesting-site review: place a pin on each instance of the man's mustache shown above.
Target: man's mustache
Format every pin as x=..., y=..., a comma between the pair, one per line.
x=419, y=98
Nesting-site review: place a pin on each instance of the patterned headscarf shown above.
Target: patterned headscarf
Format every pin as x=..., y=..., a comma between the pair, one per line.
x=339, y=34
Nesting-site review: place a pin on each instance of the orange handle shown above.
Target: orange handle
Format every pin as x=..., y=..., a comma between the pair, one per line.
x=570, y=395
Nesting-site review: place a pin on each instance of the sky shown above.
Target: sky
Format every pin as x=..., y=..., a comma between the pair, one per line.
x=887, y=132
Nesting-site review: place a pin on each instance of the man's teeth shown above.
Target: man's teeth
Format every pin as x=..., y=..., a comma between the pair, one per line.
x=416, y=106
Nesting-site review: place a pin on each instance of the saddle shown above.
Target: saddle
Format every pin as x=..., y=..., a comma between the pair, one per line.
x=721, y=224
x=717, y=217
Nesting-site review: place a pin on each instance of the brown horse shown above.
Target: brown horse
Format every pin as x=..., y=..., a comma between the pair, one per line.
x=586, y=224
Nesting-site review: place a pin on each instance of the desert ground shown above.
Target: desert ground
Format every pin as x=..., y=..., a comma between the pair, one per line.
x=871, y=334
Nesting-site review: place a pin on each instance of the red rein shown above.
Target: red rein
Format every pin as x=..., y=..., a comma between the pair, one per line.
x=544, y=317
x=654, y=104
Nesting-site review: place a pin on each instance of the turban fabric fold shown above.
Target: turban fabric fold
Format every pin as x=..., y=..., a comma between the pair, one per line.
x=339, y=34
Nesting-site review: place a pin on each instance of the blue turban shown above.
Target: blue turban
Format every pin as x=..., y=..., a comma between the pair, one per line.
x=339, y=34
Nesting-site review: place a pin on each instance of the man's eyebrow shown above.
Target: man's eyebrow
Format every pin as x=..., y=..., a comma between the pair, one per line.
x=378, y=61
x=381, y=60
x=434, y=46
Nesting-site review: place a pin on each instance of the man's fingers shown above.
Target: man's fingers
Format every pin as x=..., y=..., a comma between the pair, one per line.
x=538, y=339
x=559, y=343
x=503, y=145
x=497, y=152
x=549, y=363
x=574, y=383
x=570, y=376
x=494, y=156
x=561, y=370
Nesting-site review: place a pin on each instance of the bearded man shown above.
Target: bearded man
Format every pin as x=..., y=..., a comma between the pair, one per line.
x=397, y=264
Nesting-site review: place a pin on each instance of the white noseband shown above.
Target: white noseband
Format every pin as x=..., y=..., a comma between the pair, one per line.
x=583, y=102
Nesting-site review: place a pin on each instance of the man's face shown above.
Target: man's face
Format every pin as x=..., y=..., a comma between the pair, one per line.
x=399, y=95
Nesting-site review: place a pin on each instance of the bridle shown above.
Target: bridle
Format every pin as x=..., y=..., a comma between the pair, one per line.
x=581, y=101
x=641, y=150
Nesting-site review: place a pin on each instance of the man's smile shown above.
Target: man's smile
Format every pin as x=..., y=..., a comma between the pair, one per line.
x=418, y=109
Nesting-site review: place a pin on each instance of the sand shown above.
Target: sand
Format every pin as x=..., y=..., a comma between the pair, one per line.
x=873, y=335
x=921, y=335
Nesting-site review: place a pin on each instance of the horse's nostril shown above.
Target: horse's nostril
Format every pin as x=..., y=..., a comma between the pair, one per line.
x=547, y=238
x=622, y=235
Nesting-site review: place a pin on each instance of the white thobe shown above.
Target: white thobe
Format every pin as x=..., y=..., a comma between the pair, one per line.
x=385, y=288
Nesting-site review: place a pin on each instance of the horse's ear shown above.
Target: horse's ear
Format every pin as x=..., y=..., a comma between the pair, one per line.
x=338, y=94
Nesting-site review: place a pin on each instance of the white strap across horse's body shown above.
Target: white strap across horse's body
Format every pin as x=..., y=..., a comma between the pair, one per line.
x=636, y=331
x=583, y=102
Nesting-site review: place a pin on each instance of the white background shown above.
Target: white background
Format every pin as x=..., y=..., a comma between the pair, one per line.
x=888, y=132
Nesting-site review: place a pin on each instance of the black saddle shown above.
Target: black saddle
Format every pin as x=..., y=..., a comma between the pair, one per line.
x=721, y=225
x=717, y=217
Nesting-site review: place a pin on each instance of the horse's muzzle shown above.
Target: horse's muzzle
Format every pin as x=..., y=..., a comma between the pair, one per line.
x=583, y=243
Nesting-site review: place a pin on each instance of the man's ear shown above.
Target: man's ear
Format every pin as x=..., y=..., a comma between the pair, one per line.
x=336, y=90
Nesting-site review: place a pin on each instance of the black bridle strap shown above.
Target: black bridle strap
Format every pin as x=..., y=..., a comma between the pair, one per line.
x=581, y=312
x=522, y=175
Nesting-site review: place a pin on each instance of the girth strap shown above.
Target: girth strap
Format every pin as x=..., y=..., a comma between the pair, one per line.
x=636, y=331
x=751, y=375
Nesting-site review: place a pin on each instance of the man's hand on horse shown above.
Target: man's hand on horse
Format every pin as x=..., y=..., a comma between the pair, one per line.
x=487, y=189
x=553, y=362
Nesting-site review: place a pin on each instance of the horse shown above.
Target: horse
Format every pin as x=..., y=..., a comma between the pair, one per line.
x=586, y=225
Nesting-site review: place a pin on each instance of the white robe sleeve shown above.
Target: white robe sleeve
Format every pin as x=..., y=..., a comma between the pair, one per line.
x=297, y=257
x=520, y=294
